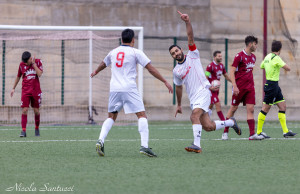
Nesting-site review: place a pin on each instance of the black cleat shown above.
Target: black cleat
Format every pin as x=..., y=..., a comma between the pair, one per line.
x=100, y=147
x=23, y=134
x=37, y=132
x=147, y=152
x=289, y=134
x=236, y=128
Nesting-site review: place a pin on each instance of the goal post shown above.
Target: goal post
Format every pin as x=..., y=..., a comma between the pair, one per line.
x=90, y=36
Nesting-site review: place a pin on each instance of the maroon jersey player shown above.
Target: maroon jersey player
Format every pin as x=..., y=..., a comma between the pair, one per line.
x=241, y=75
x=30, y=69
x=214, y=71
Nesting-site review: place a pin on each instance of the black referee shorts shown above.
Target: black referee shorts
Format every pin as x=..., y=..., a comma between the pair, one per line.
x=273, y=93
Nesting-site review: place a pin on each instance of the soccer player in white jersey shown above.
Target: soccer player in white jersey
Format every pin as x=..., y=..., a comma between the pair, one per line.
x=189, y=71
x=123, y=89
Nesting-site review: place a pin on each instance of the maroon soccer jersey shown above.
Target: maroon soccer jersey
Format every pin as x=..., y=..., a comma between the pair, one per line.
x=30, y=83
x=216, y=71
x=244, y=64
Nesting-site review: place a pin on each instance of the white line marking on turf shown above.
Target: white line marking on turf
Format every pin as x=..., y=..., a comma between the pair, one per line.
x=128, y=140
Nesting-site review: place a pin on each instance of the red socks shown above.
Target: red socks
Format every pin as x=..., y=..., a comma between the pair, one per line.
x=37, y=121
x=24, y=122
x=251, y=124
x=221, y=116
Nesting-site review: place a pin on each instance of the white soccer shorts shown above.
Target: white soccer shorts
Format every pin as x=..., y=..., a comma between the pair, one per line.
x=202, y=100
x=131, y=101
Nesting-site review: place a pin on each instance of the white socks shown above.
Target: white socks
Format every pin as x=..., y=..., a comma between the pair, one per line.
x=223, y=124
x=144, y=131
x=197, y=129
x=106, y=126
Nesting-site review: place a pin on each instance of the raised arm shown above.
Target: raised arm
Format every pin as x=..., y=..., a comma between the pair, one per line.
x=153, y=71
x=189, y=28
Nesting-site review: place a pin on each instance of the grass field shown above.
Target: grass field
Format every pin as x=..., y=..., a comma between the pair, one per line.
x=65, y=157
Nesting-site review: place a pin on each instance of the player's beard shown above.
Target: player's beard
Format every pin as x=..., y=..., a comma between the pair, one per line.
x=181, y=58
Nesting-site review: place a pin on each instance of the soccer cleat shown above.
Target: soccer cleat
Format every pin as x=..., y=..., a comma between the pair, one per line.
x=37, y=132
x=264, y=135
x=225, y=136
x=23, y=134
x=100, y=147
x=147, y=152
x=193, y=148
x=289, y=134
x=256, y=137
x=236, y=128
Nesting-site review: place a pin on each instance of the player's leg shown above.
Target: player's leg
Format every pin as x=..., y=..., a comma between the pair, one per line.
x=261, y=119
x=230, y=114
x=36, y=103
x=280, y=102
x=114, y=106
x=197, y=130
x=37, y=121
x=209, y=125
x=219, y=111
x=25, y=101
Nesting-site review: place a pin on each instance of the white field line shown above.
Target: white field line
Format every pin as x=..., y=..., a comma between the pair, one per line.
x=130, y=140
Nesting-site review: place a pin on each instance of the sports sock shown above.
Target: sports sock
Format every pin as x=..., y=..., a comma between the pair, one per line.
x=144, y=131
x=209, y=112
x=260, y=121
x=282, y=120
x=251, y=124
x=197, y=129
x=222, y=124
x=37, y=121
x=106, y=126
x=221, y=116
x=226, y=128
x=24, y=122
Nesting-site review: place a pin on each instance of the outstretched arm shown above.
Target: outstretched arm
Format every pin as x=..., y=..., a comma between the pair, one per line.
x=153, y=71
x=99, y=68
x=286, y=67
x=189, y=28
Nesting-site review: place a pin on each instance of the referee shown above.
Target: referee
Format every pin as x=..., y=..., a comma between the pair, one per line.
x=273, y=95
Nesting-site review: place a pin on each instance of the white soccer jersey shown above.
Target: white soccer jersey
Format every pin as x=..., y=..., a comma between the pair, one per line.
x=191, y=74
x=123, y=61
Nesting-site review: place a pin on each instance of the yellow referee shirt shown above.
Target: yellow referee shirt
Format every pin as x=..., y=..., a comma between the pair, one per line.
x=272, y=64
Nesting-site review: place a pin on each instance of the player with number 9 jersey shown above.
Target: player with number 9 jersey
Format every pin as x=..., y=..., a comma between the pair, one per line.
x=123, y=61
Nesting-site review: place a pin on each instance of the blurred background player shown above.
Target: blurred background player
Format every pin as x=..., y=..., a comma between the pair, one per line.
x=189, y=71
x=241, y=75
x=273, y=95
x=123, y=89
x=30, y=69
x=214, y=71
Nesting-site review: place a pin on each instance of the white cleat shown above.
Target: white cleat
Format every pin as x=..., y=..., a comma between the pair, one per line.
x=225, y=136
x=256, y=137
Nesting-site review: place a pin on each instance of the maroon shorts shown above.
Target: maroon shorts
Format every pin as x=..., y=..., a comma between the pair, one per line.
x=214, y=97
x=34, y=100
x=247, y=96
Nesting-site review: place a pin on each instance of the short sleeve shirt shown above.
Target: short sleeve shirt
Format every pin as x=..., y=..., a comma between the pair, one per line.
x=272, y=64
x=215, y=71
